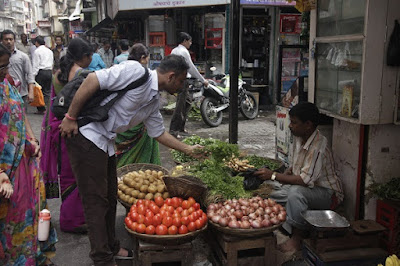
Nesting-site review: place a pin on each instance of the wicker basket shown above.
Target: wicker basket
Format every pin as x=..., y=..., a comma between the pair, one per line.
x=185, y=186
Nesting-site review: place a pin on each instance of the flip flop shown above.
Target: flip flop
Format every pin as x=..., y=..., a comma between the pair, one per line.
x=129, y=257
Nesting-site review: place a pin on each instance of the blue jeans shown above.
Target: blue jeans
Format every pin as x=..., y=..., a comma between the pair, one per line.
x=297, y=199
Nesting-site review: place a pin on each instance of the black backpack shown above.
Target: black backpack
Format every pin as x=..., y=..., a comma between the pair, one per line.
x=92, y=111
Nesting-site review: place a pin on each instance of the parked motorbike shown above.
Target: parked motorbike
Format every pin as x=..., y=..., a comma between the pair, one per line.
x=216, y=99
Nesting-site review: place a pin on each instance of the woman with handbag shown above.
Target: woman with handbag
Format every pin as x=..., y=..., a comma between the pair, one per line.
x=135, y=145
x=19, y=171
x=55, y=162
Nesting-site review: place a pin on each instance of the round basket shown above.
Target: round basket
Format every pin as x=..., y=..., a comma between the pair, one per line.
x=139, y=166
x=185, y=186
x=167, y=239
x=244, y=232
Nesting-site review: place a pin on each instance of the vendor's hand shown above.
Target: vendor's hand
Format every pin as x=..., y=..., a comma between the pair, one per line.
x=197, y=151
x=68, y=128
x=288, y=171
x=36, y=146
x=205, y=83
x=6, y=188
x=263, y=173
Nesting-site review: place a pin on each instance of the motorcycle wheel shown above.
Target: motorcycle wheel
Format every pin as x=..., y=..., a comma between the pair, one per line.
x=249, y=106
x=210, y=117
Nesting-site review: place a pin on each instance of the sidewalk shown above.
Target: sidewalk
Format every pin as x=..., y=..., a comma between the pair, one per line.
x=256, y=136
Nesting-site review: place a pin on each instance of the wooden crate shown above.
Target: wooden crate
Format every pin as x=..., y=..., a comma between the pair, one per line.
x=147, y=253
x=233, y=251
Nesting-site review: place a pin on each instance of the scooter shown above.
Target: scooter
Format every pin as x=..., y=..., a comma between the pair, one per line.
x=216, y=99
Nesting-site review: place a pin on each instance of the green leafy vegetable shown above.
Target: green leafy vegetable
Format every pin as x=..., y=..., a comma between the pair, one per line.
x=259, y=162
x=389, y=190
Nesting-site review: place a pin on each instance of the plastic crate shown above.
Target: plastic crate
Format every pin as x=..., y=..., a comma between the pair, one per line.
x=387, y=214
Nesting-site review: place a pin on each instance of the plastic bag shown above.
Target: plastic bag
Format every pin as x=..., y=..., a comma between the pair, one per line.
x=38, y=99
x=251, y=181
x=393, y=51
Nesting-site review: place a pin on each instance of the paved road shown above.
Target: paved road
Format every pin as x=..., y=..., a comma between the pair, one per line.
x=256, y=136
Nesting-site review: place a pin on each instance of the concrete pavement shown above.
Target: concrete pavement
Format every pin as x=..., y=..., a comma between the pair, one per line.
x=256, y=136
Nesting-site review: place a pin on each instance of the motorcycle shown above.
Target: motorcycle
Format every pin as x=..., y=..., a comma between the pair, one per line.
x=215, y=99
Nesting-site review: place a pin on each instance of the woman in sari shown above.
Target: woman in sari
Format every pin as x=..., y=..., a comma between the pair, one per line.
x=134, y=145
x=55, y=162
x=19, y=152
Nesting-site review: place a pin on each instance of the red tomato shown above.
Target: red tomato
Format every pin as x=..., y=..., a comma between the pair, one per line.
x=199, y=223
x=177, y=222
x=159, y=201
x=183, y=229
x=170, y=209
x=175, y=202
x=142, y=209
x=167, y=221
x=185, y=220
x=179, y=209
x=191, y=209
x=155, y=209
x=157, y=219
x=172, y=230
x=139, y=202
x=196, y=206
x=133, y=208
x=199, y=213
x=134, y=226
x=141, y=228
x=192, y=218
x=146, y=202
x=161, y=230
x=176, y=215
x=185, y=204
x=140, y=219
x=191, y=227
x=164, y=213
x=185, y=213
x=191, y=201
x=128, y=221
x=168, y=201
x=149, y=214
x=133, y=216
x=150, y=230
x=204, y=216
x=195, y=215
x=148, y=221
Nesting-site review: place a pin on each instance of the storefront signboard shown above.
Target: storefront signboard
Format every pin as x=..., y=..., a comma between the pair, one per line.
x=152, y=4
x=268, y=2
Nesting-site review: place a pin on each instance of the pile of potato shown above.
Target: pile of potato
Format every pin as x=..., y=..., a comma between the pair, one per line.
x=146, y=184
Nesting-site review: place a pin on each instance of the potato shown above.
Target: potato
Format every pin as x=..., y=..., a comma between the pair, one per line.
x=144, y=188
x=137, y=185
x=126, y=180
x=151, y=179
x=152, y=189
x=160, y=188
x=128, y=191
x=141, y=195
x=147, y=172
x=141, y=173
x=119, y=193
x=135, y=193
x=131, y=199
x=158, y=194
x=149, y=196
x=154, y=173
x=160, y=174
x=146, y=182
x=165, y=195
x=120, y=186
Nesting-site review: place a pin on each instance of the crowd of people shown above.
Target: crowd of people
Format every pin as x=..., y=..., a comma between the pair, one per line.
x=78, y=163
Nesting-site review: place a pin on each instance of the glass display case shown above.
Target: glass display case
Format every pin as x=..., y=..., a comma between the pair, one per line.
x=349, y=78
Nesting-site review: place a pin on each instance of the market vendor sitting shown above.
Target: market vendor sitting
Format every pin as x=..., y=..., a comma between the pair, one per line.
x=310, y=183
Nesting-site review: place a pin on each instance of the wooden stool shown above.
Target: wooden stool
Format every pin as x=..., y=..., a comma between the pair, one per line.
x=227, y=249
x=147, y=253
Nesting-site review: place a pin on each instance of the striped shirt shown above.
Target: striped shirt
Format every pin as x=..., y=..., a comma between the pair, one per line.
x=108, y=57
x=313, y=161
x=21, y=69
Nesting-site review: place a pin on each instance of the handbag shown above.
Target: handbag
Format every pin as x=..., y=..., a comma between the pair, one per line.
x=38, y=99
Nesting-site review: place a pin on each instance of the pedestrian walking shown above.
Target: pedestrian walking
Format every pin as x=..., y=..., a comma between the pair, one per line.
x=97, y=63
x=24, y=46
x=124, y=47
x=20, y=68
x=106, y=54
x=58, y=52
x=42, y=64
x=183, y=101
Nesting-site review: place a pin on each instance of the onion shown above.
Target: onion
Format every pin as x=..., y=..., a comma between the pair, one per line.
x=228, y=207
x=212, y=207
x=235, y=201
x=254, y=205
x=223, y=222
x=255, y=224
x=262, y=204
x=260, y=211
x=275, y=209
x=252, y=216
x=215, y=218
x=251, y=210
x=238, y=214
x=268, y=210
x=282, y=217
x=266, y=223
x=210, y=215
x=233, y=224
x=222, y=213
x=275, y=220
x=237, y=207
x=232, y=217
x=266, y=216
x=271, y=202
x=245, y=218
x=245, y=225
x=243, y=202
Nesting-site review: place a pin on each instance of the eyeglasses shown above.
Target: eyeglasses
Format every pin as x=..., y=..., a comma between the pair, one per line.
x=4, y=67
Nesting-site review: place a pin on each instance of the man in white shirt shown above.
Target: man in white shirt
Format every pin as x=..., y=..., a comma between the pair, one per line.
x=42, y=64
x=183, y=101
x=20, y=68
x=91, y=147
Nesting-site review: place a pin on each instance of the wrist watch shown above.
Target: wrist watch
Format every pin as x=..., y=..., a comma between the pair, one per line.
x=273, y=176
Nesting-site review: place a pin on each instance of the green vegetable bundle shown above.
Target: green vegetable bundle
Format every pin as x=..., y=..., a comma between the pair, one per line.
x=259, y=162
x=389, y=190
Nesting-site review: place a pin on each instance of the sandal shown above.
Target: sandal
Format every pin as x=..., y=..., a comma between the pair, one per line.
x=129, y=257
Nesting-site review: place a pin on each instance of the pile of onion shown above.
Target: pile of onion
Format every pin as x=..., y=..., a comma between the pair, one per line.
x=247, y=213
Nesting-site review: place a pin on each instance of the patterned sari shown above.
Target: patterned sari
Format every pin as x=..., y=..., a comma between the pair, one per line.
x=19, y=214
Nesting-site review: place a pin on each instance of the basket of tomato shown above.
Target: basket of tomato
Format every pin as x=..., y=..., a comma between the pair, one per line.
x=170, y=221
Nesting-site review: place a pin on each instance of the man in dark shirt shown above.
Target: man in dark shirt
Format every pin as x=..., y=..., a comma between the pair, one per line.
x=58, y=52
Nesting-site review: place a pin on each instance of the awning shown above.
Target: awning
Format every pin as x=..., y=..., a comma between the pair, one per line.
x=102, y=24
